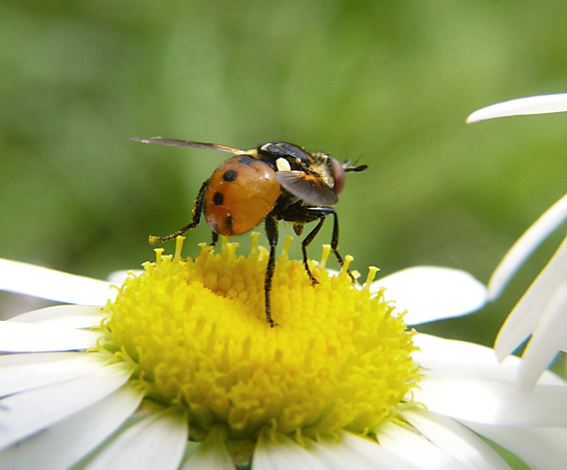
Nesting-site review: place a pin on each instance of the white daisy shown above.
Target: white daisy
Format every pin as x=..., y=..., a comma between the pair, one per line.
x=541, y=311
x=182, y=370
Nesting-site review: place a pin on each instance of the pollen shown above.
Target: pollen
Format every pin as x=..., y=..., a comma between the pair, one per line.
x=197, y=333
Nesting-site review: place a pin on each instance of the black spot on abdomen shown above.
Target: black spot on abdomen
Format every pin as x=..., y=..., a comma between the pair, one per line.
x=218, y=199
x=230, y=175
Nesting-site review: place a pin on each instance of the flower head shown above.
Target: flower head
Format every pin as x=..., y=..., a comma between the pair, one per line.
x=183, y=362
x=197, y=334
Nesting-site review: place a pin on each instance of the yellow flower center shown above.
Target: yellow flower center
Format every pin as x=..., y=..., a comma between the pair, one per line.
x=197, y=332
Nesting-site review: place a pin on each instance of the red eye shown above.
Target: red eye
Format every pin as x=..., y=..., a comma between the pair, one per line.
x=339, y=172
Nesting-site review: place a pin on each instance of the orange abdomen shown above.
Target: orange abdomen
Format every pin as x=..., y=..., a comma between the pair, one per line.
x=239, y=195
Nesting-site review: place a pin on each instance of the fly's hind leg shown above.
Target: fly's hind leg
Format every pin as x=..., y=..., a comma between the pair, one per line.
x=197, y=211
x=272, y=233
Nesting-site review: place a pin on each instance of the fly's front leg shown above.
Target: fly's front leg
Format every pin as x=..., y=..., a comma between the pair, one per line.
x=272, y=233
x=197, y=211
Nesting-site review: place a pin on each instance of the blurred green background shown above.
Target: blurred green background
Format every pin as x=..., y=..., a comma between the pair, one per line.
x=384, y=83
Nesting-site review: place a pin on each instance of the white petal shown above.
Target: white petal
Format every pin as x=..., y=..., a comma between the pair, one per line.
x=549, y=378
x=525, y=246
x=541, y=448
x=541, y=104
x=452, y=437
x=21, y=372
x=27, y=413
x=460, y=356
x=30, y=337
x=547, y=339
x=68, y=316
x=117, y=278
x=415, y=449
x=156, y=442
x=210, y=454
x=432, y=293
x=335, y=456
x=474, y=360
x=491, y=402
x=65, y=443
x=284, y=455
x=469, y=358
x=353, y=451
x=23, y=278
x=525, y=316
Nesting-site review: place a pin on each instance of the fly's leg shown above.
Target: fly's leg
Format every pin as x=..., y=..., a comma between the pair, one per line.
x=197, y=211
x=305, y=243
x=335, y=244
x=272, y=233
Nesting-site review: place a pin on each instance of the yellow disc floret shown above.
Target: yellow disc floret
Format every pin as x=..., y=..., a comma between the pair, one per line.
x=197, y=331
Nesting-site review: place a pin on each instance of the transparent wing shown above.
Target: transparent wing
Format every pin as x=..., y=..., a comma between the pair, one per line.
x=186, y=143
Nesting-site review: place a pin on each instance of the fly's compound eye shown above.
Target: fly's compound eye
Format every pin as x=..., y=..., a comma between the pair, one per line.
x=339, y=176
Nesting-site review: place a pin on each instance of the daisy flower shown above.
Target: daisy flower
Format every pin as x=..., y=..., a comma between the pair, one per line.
x=181, y=370
x=541, y=311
